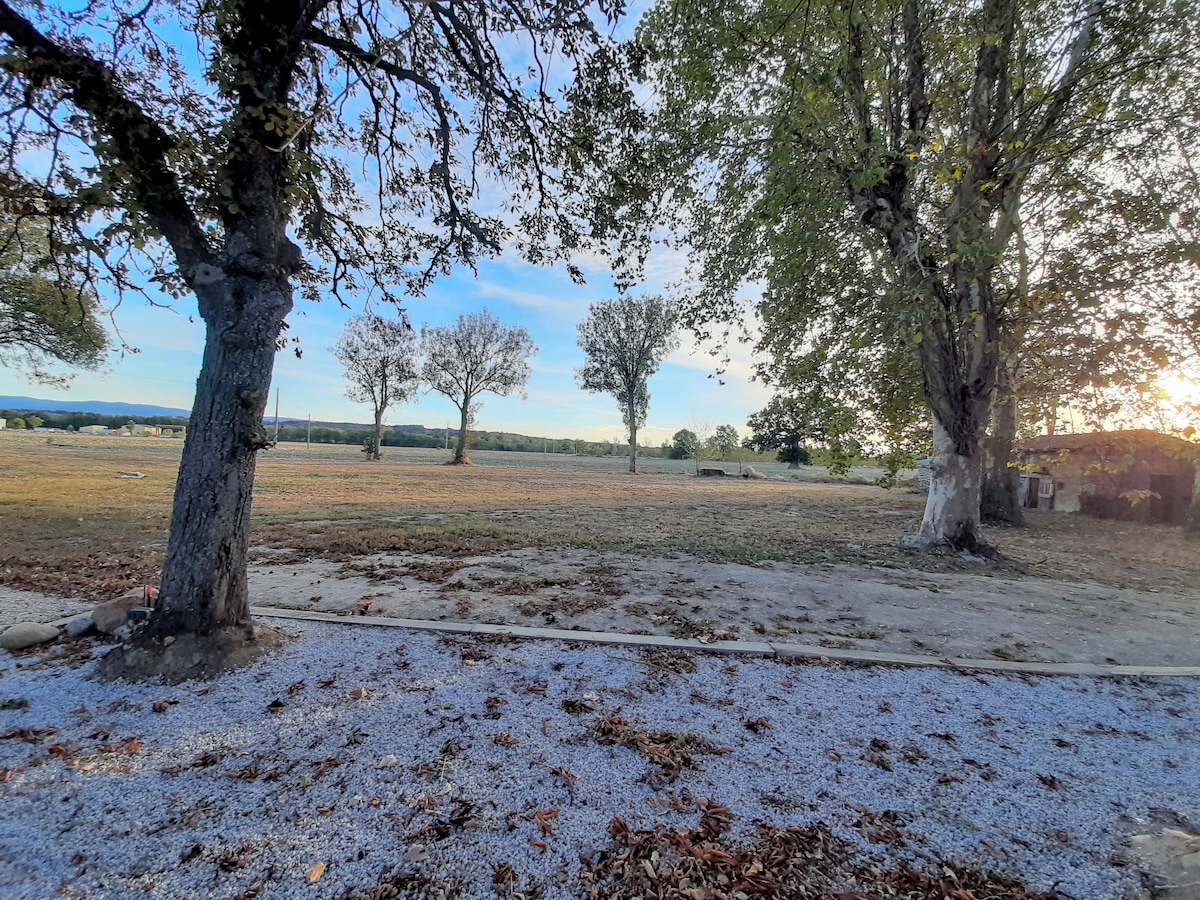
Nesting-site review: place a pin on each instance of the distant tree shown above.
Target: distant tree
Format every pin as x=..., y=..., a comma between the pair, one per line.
x=684, y=444
x=725, y=440
x=46, y=314
x=34, y=422
x=479, y=354
x=16, y=423
x=784, y=424
x=625, y=341
x=380, y=360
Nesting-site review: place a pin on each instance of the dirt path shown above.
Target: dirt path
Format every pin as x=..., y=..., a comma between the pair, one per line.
x=880, y=609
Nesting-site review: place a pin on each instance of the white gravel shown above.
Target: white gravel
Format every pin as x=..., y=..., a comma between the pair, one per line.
x=121, y=802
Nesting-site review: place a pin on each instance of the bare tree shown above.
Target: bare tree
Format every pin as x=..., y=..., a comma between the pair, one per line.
x=625, y=341
x=222, y=165
x=478, y=355
x=380, y=359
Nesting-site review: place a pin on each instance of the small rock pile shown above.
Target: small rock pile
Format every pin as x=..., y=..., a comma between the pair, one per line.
x=108, y=618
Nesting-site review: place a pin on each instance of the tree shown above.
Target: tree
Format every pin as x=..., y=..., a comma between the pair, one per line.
x=477, y=355
x=625, y=341
x=380, y=360
x=725, y=440
x=17, y=423
x=684, y=444
x=783, y=425
x=44, y=319
x=223, y=165
x=874, y=157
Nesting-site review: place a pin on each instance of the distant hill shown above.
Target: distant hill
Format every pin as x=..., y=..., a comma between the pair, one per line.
x=100, y=407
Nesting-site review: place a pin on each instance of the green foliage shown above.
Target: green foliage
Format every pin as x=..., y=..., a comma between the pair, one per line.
x=625, y=341
x=790, y=421
x=794, y=455
x=684, y=444
x=16, y=423
x=869, y=166
x=725, y=440
x=47, y=315
x=371, y=447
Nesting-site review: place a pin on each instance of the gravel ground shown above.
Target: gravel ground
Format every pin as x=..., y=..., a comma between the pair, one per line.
x=358, y=751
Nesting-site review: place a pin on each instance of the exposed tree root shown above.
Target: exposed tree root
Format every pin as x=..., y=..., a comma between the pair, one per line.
x=183, y=657
x=465, y=461
x=964, y=539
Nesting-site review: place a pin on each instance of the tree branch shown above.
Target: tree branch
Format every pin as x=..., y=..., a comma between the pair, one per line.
x=139, y=143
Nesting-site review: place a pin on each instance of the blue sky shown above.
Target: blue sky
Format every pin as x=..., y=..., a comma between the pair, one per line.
x=543, y=300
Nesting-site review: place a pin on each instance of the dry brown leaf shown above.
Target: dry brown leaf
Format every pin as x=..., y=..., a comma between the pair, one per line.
x=315, y=874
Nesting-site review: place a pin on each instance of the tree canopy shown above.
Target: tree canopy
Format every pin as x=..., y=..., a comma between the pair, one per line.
x=46, y=315
x=478, y=354
x=379, y=357
x=867, y=164
x=625, y=341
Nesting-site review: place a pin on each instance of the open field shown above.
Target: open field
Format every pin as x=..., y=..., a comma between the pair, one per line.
x=507, y=544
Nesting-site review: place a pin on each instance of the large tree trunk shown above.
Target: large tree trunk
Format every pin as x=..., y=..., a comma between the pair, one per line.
x=204, y=575
x=999, y=495
x=959, y=361
x=378, y=453
x=952, y=510
x=460, y=448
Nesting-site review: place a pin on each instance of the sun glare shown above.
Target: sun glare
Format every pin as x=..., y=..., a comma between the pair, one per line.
x=1179, y=388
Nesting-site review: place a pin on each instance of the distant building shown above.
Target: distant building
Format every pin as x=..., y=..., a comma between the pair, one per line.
x=94, y=429
x=149, y=430
x=1137, y=475
x=3, y=423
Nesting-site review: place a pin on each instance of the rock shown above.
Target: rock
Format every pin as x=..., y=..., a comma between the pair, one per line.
x=108, y=617
x=712, y=473
x=752, y=472
x=79, y=625
x=27, y=634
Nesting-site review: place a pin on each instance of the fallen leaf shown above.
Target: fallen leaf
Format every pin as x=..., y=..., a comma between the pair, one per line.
x=545, y=820
x=317, y=871
x=360, y=693
x=415, y=853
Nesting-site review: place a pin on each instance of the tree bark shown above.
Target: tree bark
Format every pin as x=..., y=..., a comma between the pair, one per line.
x=378, y=453
x=999, y=495
x=952, y=510
x=632, y=438
x=204, y=575
x=460, y=448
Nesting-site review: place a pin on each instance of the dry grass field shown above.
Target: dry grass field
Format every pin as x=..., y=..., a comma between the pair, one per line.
x=72, y=527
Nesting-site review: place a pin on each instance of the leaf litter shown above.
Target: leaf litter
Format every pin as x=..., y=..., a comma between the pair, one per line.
x=408, y=792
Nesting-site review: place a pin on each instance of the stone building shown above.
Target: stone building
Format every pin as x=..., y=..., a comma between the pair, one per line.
x=1136, y=475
